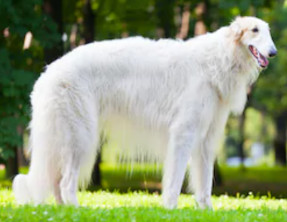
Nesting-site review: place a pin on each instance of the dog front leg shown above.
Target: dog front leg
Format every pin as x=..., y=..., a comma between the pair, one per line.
x=202, y=163
x=202, y=160
x=201, y=175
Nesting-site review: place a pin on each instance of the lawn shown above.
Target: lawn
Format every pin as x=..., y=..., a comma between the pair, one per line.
x=259, y=180
x=144, y=206
x=141, y=206
x=270, y=181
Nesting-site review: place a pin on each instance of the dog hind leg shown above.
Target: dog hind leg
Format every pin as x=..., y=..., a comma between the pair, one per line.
x=69, y=181
x=78, y=133
x=179, y=153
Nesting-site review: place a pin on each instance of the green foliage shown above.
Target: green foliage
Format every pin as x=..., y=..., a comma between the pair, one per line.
x=13, y=84
x=18, y=67
x=104, y=206
x=115, y=19
x=271, y=92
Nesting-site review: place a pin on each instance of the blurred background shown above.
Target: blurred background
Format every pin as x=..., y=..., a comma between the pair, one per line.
x=252, y=155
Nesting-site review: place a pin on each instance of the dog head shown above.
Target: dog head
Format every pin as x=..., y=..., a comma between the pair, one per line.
x=254, y=35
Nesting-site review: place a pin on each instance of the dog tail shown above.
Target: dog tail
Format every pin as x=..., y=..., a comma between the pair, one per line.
x=62, y=139
x=38, y=183
x=43, y=171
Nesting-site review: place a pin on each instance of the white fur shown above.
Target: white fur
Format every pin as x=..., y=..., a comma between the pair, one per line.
x=161, y=100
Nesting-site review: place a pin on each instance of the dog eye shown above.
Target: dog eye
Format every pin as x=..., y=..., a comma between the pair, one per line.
x=255, y=29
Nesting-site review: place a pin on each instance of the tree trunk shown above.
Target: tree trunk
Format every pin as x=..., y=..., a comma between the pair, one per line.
x=184, y=26
x=200, y=11
x=54, y=9
x=12, y=164
x=96, y=175
x=165, y=15
x=88, y=22
x=280, y=139
x=22, y=161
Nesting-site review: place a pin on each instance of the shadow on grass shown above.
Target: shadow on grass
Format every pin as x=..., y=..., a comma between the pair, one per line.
x=261, y=181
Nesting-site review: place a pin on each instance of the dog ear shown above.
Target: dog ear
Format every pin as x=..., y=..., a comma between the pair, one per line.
x=236, y=28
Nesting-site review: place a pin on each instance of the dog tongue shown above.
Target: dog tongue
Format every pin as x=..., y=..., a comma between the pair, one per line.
x=262, y=60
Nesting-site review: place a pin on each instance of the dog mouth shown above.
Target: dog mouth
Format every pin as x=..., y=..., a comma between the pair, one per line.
x=261, y=59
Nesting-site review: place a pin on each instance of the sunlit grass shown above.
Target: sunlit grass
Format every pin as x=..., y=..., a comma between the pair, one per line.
x=139, y=206
x=260, y=180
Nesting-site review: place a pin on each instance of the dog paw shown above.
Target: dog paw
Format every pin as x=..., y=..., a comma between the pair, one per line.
x=169, y=202
x=204, y=203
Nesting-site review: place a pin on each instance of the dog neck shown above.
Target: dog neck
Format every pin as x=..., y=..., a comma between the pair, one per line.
x=237, y=71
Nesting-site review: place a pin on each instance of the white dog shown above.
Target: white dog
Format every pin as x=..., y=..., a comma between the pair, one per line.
x=158, y=99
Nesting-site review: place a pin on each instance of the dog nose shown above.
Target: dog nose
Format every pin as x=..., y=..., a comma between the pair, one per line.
x=273, y=52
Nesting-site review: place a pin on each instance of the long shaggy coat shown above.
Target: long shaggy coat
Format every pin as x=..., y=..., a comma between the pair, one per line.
x=165, y=100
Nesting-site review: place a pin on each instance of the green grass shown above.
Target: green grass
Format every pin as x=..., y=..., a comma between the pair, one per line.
x=140, y=206
x=259, y=180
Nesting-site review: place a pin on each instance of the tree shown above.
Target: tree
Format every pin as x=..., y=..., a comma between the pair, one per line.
x=280, y=138
x=165, y=15
x=271, y=92
x=88, y=22
x=18, y=68
x=53, y=8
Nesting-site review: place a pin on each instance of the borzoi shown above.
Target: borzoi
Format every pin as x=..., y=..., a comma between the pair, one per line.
x=166, y=100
